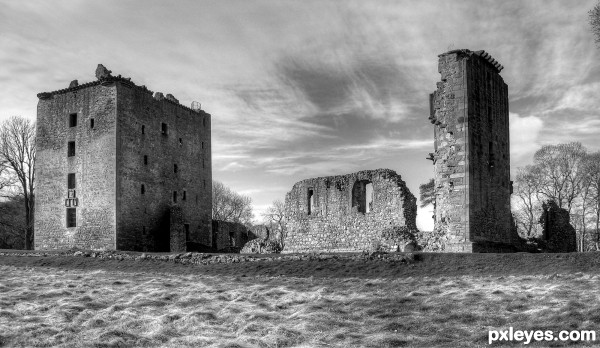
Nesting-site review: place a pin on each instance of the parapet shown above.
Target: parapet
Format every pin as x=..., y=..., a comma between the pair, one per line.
x=482, y=54
x=104, y=77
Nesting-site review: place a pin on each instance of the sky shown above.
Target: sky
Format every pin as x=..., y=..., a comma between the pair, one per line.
x=302, y=89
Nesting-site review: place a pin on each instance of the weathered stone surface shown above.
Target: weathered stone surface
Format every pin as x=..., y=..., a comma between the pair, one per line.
x=558, y=233
x=261, y=246
x=102, y=72
x=343, y=217
x=73, y=84
x=120, y=147
x=260, y=231
x=469, y=111
x=171, y=98
x=229, y=236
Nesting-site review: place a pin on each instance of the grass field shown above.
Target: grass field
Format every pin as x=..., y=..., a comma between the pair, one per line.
x=104, y=307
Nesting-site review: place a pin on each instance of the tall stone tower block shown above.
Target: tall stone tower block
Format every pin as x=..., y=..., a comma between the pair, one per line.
x=119, y=167
x=469, y=111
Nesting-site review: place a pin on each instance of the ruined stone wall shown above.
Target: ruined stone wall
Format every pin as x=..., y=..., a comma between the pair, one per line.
x=335, y=222
x=229, y=235
x=94, y=190
x=147, y=156
x=472, y=160
x=558, y=233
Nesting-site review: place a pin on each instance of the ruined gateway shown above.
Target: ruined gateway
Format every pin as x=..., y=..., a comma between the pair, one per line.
x=121, y=168
x=469, y=111
x=367, y=210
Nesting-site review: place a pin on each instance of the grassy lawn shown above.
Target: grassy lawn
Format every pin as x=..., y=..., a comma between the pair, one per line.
x=61, y=307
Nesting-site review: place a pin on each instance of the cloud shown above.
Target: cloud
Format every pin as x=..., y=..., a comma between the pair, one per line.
x=524, y=133
x=583, y=97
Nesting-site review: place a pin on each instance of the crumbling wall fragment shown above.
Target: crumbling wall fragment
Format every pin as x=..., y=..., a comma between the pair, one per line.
x=558, y=233
x=367, y=210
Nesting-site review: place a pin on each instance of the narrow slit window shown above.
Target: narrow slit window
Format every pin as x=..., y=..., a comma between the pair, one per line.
x=143, y=129
x=143, y=189
x=71, y=217
x=71, y=149
x=310, y=201
x=145, y=159
x=73, y=120
x=180, y=141
x=183, y=197
x=203, y=145
x=174, y=168
x=163, y=128
x=91, y=123
x=71, y=181
x=175, y=196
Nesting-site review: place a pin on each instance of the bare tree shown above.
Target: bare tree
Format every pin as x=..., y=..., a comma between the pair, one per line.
x=231, y=206
x=593, y=182
x=560, y=167
x=17, y=151
x=595, y=21
x=526, y=206
x=275, y=219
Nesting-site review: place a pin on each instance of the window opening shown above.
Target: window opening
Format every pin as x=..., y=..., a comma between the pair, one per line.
x=73, y=120
x=369, y=197
x=359, y=196
x=310, y=201
x=71, y=149
x=71, y=217
x=71, y=181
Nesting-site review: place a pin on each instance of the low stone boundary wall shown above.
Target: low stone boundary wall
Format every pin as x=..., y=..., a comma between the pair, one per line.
x=206, y=259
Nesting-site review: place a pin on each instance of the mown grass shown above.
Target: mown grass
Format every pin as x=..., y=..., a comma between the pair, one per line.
x=46, y=307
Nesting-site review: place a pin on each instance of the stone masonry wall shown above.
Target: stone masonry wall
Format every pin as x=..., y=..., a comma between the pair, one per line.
x=335, y=222
x=94, y=178
x=472, y=160
x=133, y=152
x=229, y=235
x=148, y=157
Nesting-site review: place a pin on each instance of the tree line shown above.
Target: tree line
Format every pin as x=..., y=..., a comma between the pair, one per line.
x=570, y=176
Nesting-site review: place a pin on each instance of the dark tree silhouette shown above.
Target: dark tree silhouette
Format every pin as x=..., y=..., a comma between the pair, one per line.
x=595, y=21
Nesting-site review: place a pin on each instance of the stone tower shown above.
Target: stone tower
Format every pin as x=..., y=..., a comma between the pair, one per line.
x=469, y=111
x=120, y=168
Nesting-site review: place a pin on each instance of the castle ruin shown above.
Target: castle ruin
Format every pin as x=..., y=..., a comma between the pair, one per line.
x=469, y=111
x=121, y=169
x=367, y=210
